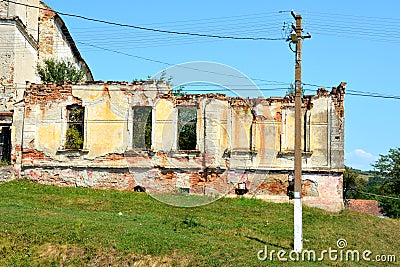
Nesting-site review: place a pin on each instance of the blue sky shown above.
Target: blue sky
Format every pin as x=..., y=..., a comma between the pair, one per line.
x=352, y=41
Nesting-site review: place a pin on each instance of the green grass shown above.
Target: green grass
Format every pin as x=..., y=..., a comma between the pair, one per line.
x=53, y=226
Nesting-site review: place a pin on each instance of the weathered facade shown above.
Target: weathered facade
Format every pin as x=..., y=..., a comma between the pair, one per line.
x=120, y=135
x=140, y=134
x=29, y=35
x=55, y=41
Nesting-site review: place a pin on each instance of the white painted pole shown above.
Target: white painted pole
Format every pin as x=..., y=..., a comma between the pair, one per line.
x=298, y=224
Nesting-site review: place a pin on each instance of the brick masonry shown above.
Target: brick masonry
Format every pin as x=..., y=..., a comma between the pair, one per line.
x=240, y=143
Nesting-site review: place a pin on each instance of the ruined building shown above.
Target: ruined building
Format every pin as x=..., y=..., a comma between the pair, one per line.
x=28, y=36
x=125, y=135
x=141, y=134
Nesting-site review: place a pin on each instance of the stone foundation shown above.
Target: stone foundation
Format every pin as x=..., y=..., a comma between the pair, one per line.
x=318, y=190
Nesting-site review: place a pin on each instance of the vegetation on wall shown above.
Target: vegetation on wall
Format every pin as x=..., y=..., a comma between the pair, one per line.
x=74, y=133
x=147, y=132
x=53, y=71
x=179, y=91
x=292, y=90
x=142, y=126
x=162, y=78
x=187, y=129
x=74, y=138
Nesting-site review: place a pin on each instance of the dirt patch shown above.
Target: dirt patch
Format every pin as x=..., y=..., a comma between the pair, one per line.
x=60, y=253
x=66, y=255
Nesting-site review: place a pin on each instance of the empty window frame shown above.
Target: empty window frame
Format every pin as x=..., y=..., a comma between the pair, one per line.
x=75, y=128
x=187, y=120
x=142, y=128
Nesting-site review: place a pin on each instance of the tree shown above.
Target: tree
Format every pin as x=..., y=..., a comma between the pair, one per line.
x=349, y=183
x=53, y=71
x=388, y=166
x=74, y=138
x=75, y=127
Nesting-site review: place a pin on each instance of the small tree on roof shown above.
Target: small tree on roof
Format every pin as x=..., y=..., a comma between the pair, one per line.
x=53, y=71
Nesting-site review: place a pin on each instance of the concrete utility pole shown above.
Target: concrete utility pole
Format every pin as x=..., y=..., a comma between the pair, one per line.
x=297, y=38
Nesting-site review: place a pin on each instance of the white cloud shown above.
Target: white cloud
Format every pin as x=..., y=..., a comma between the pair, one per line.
x=362, y=153
x=359, y=159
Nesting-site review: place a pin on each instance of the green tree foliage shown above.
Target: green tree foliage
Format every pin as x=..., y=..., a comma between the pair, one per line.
x=352, y=184
x=187, y=137
x=75, y=127
x=147, y=132
x=142, y=127
x=187, y=129
x=53, y=71
x=179, y=91
x=374, y=184
x=74, y=138
x=388, y=166
x=75, y=113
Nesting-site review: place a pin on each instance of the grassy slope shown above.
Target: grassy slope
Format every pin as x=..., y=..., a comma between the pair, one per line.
x=53, y=226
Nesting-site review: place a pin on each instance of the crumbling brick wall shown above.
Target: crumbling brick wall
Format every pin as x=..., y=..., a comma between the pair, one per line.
x=239, y=142
x=55, y=41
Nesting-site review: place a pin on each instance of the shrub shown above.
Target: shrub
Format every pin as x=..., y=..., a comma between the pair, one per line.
x=59, y=71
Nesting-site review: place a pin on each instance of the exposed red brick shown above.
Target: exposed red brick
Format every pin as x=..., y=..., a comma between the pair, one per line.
x=32, y=154
x=275, y=188
x=46, y=12
x=28, y=111
x=114, y=156
x=338, y=93
x=169, y=174
x=308, y=188
x=365, y=206
x=196, y=178
x=47, y=94
x=278, y=117
x=164, y=158
x=106, y=92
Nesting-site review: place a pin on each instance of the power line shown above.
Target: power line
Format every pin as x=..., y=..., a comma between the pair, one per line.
x=151, y=29
x=351, y=16
x=372, y=95
x=349, y=92
x=236, y=87
x=390, y=197
x=313, y=85
x=212, y=20
x=375, y=96
x=218, y=90
x=180, y=66
x=380, y=29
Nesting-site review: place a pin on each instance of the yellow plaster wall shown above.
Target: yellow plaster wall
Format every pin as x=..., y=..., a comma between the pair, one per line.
x=241, y=124
x=164, y=130
x=105, y=130
x=48, y=137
